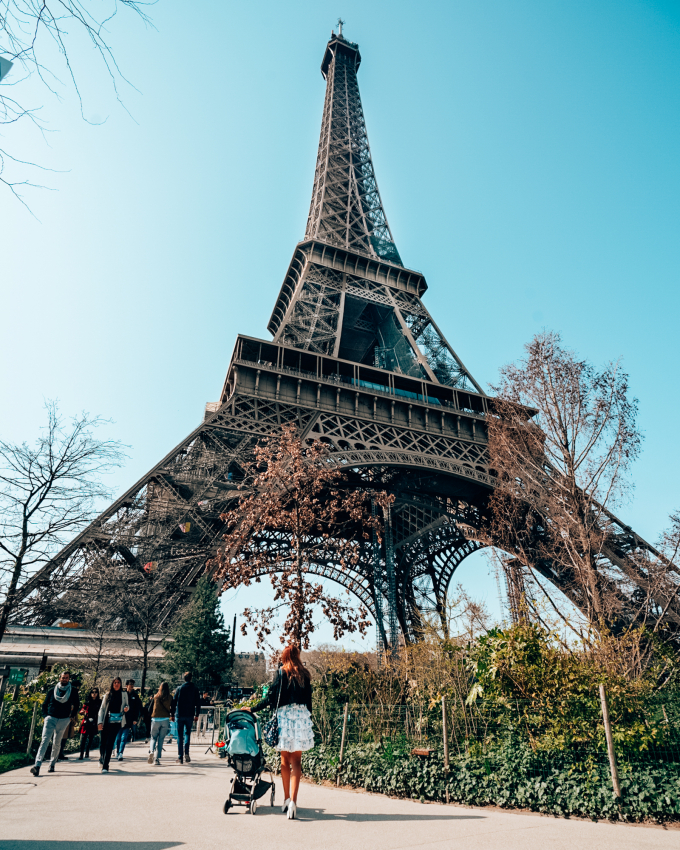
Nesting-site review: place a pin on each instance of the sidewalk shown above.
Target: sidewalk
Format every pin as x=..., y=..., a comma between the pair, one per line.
x=141, y=807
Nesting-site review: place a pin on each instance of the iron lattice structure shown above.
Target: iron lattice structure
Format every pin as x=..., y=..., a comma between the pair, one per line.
x=356, y=361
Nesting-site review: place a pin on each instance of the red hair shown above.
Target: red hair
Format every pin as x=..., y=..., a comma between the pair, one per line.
x=292, y=664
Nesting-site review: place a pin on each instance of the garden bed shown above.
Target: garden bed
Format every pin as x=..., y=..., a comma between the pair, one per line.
x=515, y=778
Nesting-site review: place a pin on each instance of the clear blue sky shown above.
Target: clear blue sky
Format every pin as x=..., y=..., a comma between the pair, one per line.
x=526, y=152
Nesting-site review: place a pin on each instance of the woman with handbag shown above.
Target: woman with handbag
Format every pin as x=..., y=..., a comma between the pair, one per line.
x=112, y=719
x=290, y=729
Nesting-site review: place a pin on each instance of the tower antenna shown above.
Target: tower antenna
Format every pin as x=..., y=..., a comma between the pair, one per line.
x=340, y=24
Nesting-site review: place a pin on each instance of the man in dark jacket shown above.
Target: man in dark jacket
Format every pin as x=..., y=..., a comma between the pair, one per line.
x=60, y=705
x=186, y=706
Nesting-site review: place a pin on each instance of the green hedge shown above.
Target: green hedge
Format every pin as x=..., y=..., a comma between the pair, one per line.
x=16, y=725
x=515, y=777
x=10, y=761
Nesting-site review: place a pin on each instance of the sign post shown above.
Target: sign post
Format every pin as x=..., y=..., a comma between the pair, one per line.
x=445, y=736
x=31, y=736
x=610, y=744
x=17, y=677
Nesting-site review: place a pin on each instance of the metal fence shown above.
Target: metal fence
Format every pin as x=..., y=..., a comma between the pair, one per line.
x=488, y=731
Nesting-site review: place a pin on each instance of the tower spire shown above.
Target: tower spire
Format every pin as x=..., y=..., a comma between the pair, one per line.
x=346, y=209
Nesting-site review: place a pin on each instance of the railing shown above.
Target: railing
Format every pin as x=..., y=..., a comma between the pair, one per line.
x=353, y=383
x=487, y=730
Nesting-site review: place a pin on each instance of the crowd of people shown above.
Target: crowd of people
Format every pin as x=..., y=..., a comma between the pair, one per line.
x=118, y=717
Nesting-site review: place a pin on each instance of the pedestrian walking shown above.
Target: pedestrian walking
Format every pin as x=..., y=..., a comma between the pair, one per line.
x=186, y=707
x=160, y=722
x=111, y=718
x=59, y=706
x=148, y=708
x=88, y=728
x=206, y=705
x=127, y=732
x=290, y=696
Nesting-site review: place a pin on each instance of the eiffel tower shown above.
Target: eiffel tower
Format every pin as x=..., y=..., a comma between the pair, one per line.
x=356, y=361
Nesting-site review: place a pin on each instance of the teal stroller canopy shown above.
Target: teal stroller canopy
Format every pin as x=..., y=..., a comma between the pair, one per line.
x=242, y=734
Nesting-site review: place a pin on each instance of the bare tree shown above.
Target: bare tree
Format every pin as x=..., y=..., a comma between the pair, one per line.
x=48, y=492
x=99, y=654
x=37, y=37
x=114, y=595
x=670, y=540
x=561, y=473
x=668, y=564
x=295, y=512
x=143, y=596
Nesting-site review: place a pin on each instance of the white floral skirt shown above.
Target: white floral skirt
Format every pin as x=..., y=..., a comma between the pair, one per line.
x=295, y=728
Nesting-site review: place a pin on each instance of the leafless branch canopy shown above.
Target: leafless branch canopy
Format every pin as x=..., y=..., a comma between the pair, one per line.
x=293, y=512
x=48, y=492
x=561, y=474
x=37, y=36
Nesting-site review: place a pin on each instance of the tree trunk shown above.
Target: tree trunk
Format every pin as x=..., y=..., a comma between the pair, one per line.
x=300, y=592
x=8, y=604
x=145, y=661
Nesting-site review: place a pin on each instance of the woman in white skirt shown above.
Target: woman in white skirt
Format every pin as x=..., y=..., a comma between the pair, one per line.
x=291, y=691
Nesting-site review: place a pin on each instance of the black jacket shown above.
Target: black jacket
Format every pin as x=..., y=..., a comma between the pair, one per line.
x=291, y=693
x=136, y=707
x=186, y=701
x=51, y=707
x=90, y=712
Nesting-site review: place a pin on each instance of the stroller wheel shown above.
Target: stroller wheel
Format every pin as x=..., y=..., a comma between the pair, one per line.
x=253, y=807
x=227, y=806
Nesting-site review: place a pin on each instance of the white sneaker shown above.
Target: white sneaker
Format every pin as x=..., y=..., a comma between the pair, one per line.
x=292, y=810
x=105, y=770
x=120, y=758
x=158, y=761
x=150, y=759
x=286, y=803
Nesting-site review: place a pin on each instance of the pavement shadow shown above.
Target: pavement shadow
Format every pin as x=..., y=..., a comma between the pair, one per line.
x=359, y=817
x=118, y=773
x=42, y=844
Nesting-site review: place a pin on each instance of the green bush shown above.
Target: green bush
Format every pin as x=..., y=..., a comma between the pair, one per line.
x=18, y=714
x=10, y=761
x=16, y=724
x=513, y=776
x=523, y=674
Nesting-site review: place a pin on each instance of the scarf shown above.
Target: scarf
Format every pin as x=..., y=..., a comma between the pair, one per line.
x=62, y=694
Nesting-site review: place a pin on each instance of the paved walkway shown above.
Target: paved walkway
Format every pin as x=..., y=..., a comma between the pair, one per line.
x=142, y=807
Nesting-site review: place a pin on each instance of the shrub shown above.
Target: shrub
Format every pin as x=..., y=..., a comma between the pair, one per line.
x=512, y=776
x=11, y=761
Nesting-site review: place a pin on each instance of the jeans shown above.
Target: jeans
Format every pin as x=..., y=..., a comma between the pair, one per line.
x=109, y=734
x=54, y=727
x=204, y=719
x=184, y=725
x=159, y=729
x=122, y=739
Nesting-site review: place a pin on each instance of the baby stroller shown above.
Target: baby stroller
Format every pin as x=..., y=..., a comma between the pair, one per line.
x=244, y=752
